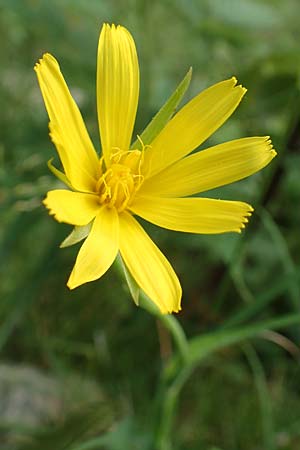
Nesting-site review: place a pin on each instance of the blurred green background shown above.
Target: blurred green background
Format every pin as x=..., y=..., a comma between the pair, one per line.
x=84, y=364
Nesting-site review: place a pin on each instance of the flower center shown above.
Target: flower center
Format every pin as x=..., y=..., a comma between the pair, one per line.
x=121, y=180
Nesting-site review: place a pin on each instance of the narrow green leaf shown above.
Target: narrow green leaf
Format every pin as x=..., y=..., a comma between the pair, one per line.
x=76, y=235
x=199, y=347
x=164, y=114
x=260, y=381
x=282, y=250
x=60, y=175
x=261, y=301
x=132, y=286
x=202, y=346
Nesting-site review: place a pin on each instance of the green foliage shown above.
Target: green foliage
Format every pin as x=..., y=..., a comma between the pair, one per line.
x=164, y=114
x=212, y=389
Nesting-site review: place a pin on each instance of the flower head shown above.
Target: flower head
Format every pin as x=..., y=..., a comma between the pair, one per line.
x=154, y=181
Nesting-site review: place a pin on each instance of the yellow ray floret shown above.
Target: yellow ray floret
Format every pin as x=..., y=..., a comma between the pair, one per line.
x=193, y=215
x=117, y=88
x=151, y=270
x=75, y=208
x=193, y=124
x=67, y=129
x=99, y=249
x=211, y=168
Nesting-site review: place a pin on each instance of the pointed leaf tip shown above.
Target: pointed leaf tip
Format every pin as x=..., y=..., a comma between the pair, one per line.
x=164, y=114
x=77, y=234
x=60, y=175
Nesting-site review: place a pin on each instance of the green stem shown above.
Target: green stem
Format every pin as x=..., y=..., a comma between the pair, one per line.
x=169, y=321
x=168, y=399
x=168, y=409
x=200, y=348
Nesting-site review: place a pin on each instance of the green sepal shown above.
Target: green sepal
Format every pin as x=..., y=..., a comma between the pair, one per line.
x=134, y=289
x=60, y=175
x=164, y=114
x=76, y=235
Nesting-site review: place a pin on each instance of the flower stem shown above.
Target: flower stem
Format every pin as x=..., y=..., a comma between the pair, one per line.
x=168, y=408
x=168, y=320
x=172, y=381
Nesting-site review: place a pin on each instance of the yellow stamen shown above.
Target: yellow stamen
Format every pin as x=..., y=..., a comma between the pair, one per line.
x=121, y=180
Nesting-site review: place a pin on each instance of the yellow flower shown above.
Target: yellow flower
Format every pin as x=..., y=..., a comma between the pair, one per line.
x=153, y=182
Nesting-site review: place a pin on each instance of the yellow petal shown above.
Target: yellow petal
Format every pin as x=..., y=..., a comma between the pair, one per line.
x=193, y=124
x=67, y=128
x=211, y=168
x=70, y=207
x=117, y=88
x=193, y=215
x=148, y=266
x=99, y=250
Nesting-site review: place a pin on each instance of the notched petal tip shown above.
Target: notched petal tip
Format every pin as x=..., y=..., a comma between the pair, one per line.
x=112, y=28
x=233, y=80
x=170, y=310
x=245, y=217
x=236, y=86
x=269, y=150
x=273, y=153
x=38, y=64
x=168, y=307
x=270, y=147
x=241, y=89
x=46, y=58
x=176, y=309
x=51, y=211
